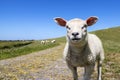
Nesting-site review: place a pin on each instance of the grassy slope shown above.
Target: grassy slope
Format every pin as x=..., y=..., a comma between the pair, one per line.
x=110, y=38
x=111, y=42
x=14, y=49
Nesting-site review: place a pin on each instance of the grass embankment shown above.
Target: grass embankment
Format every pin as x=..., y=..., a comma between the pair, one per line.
x=111, y=42
x=31, y=64
x=9, y=49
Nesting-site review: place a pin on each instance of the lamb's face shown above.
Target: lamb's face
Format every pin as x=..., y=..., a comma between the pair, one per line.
x=76, y=30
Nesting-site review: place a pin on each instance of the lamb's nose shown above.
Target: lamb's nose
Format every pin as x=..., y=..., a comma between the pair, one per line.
x=75, y=33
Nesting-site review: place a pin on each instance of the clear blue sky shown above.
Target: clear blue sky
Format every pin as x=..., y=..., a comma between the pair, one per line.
x=33, y=19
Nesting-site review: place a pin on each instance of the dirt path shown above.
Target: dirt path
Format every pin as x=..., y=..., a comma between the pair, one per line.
x=44, y=65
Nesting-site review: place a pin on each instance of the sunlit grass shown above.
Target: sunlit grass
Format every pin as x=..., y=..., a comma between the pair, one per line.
x=25, y=49
x=111, y=42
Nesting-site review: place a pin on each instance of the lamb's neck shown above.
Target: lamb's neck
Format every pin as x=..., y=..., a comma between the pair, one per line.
x=79, y=47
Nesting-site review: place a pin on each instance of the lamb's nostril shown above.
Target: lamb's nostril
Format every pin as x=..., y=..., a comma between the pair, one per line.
x=75, y=33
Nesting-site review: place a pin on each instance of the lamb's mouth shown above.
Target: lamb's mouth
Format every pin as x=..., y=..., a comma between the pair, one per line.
x=76, y=39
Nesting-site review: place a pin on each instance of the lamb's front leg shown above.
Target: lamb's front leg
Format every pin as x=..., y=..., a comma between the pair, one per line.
x=74, y=71
x=88, y=72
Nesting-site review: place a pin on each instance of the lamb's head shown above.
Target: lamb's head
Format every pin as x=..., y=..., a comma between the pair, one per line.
x=76, y=28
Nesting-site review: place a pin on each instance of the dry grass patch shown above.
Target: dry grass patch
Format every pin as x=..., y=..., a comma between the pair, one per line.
x=24, y=68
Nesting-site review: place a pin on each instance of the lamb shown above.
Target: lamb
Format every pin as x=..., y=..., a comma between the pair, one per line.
x=53, y=41
x=82, y=48
x=42, y=42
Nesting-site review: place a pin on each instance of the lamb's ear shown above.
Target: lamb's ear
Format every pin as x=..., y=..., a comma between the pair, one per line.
x=92, y=20
x=60, y=21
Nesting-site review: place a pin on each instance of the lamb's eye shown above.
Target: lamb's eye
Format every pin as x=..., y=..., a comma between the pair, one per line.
x=68, y=27
x=84, y=26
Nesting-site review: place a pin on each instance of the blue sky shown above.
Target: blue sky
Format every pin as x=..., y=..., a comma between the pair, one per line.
x=33, y=19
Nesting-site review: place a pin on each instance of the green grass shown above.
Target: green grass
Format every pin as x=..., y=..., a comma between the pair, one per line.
x=111, y=42
x=110, y=38
x=12, y=44
x=14, y=49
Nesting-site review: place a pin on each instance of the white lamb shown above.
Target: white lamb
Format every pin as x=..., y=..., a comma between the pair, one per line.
x=42, y=42
x=82, y=49
x=53, y=41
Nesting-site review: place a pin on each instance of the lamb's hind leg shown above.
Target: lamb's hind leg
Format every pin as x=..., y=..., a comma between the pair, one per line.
x=99, y=67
